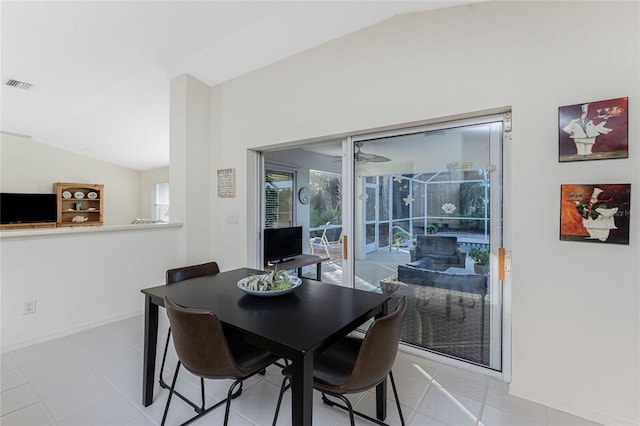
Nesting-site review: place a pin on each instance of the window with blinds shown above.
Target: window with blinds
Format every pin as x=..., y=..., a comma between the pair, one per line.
x=160, y=202
x=279, y=202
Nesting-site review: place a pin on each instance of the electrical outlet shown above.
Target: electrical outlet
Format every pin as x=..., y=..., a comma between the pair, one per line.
x=29, y=307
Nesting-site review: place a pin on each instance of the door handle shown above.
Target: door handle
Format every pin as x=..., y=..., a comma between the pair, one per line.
x=344, y=247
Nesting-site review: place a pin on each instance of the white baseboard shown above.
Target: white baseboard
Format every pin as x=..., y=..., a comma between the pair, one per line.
x=585, y=413
x=66, y=332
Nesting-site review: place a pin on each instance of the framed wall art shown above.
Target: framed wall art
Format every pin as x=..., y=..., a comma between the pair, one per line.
x=596, y=213
x=226, y=183
x=593, y=130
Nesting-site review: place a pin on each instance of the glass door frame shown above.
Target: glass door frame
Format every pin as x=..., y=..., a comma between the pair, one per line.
x=500, y=315
x=372, y=246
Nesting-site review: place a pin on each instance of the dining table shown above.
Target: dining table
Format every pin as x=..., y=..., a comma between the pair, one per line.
x=293, y=326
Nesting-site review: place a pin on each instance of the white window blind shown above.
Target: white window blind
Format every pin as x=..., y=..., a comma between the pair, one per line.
x=278, y=194
x=161, y=201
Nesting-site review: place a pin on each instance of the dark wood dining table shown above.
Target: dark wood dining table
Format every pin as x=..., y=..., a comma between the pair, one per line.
x=293, y=326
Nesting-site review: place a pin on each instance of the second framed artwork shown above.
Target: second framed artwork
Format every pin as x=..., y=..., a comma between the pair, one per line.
x=593, y=130
x=595, y=213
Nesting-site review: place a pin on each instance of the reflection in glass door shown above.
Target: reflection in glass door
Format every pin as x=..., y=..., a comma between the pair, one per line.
x=437, y=202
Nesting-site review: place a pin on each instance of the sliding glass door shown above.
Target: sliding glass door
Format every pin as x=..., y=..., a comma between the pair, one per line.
x=416, y=213
x=427, y=215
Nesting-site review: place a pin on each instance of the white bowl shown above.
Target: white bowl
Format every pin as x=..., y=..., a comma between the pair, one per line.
x=242, y=285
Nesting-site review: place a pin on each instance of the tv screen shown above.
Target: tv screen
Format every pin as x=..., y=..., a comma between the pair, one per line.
x=281, y=244
x=27, y=208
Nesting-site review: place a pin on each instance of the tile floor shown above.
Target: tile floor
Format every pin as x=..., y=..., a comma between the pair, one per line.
x=94, y=378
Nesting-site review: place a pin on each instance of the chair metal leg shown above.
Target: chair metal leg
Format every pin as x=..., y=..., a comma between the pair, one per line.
x=179, y=395
x=164, y=385
x=164, y=356
x=231, y=394
x=286, y=384
x=395, y=393
x=348, y=407
x=202, y=393
x=173, y=385
x=229, y=398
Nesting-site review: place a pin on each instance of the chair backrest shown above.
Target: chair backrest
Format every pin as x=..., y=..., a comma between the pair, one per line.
x=467, y=283
x=431, y=244
x=200, y=342
x=378, y=351
x=332, y=234
x=193, y=271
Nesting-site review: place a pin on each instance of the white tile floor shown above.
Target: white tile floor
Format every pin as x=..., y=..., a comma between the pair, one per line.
x=94, y=378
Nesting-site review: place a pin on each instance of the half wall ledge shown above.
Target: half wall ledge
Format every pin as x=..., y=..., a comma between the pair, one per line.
x=65, y=231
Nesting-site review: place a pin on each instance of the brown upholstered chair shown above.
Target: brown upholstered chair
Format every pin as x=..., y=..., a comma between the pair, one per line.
x=193, y=271
x=204, y=350
x=355, y=365
x=173, y=276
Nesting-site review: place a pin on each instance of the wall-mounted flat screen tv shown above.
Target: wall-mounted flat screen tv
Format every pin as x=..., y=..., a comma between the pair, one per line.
x=27, y=208
x=282, y=244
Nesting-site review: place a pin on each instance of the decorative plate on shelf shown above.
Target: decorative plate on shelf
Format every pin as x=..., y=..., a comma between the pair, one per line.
x=66, y=194
x=78, y=195
x=242, y=285
x=92, y=195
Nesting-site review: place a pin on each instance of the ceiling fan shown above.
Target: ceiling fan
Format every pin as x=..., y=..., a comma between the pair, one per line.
x=362, y=158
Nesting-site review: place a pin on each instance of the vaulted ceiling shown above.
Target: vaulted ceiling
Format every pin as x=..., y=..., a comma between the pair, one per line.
x=100, y=71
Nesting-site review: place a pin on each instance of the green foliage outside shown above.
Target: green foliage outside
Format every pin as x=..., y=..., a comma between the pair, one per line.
x=400, y=234
x=325, y=199
x=472, y=199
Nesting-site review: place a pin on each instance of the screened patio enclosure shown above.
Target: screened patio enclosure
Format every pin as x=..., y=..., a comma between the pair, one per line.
x=452, y=203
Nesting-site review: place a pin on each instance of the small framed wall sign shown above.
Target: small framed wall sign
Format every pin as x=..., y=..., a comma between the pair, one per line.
x=594, y=130
x=226, y=183
x=596, y=213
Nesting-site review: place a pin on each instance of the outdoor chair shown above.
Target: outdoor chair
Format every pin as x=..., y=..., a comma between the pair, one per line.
x=444, y=251
x=431, y=318
x=355, y=365
x=204, y=350
x=330, y=241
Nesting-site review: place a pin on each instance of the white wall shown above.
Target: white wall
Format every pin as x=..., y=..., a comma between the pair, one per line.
x=79, y=279
x=576, y=333
x=190, y=186
x=30, y=166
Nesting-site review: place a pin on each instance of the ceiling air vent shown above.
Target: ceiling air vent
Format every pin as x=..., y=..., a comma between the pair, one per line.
x=19, y=84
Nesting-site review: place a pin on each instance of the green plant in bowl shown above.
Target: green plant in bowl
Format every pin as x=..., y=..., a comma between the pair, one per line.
x=275, y=280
